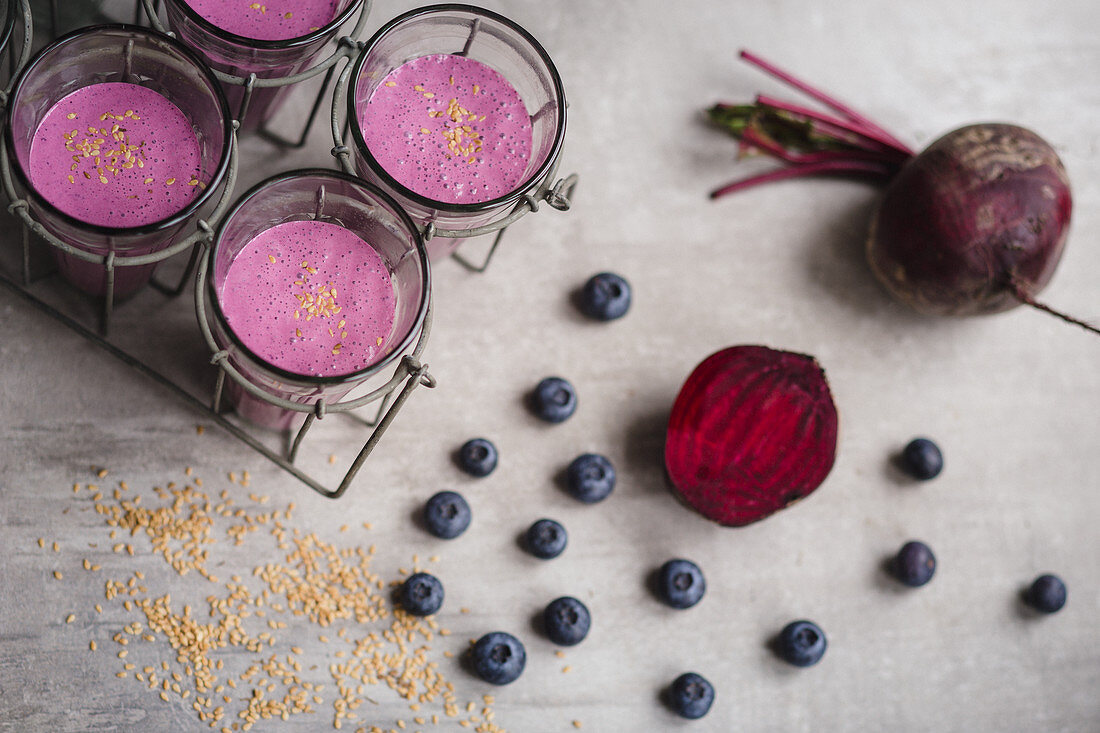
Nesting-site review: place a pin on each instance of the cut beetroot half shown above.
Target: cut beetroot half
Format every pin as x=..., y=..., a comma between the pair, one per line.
x=753, y=430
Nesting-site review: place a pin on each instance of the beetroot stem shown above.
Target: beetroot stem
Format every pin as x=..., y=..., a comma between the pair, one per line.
x=820, y=96
x=865, y=168
x=837, y=127
x=754, y=139
x=1024, y=297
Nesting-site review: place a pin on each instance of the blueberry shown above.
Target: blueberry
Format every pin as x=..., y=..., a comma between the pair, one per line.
x=567, y=621
x=498, y=658
x=605, y=297
x=1047, y=594
x=691, y=695
x=554, y=399
x=801, y=643
x=447, y=515
x=590, y=478
x=546, y=539
x=680, y=583
x=421, y=594
x=914, y=564
x=477, y=457
x=922, y=459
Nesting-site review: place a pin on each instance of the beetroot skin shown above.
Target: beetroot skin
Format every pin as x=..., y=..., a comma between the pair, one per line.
x=978, y=217
x=753, y=430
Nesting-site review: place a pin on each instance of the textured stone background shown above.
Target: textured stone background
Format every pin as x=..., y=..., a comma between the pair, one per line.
x=1011, y=398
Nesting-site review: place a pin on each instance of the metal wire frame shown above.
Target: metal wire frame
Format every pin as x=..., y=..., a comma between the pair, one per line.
x=346, y=46
x=24, y=53
x=555, y=192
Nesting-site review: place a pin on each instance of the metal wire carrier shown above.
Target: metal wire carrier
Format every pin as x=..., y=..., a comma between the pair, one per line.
x=17, y=63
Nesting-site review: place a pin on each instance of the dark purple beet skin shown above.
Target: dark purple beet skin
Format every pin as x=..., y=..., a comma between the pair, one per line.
x=980, y=212
x=753, y=430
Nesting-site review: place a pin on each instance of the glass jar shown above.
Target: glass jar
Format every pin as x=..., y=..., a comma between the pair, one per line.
x=482, y=36
x=128, y=54
x=240, y=56
x=364, y=210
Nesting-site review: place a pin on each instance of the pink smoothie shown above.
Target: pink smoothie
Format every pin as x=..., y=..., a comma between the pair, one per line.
x=310, y=297
x=449, y=128
x=117, y=155
x=268, y=20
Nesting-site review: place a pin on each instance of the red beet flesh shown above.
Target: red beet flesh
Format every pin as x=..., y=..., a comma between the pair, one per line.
x=753, y=430
x=977, y=218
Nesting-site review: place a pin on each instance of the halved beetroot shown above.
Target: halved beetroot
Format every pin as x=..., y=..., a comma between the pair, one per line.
x=753, y=430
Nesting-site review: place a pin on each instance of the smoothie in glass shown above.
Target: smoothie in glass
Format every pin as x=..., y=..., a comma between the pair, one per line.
x=116, y=155
x=311, y=298
x=268, y=20
x=449, y=128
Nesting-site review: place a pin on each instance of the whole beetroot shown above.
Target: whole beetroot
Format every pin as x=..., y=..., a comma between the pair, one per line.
x=973, y=223
x=976, y=223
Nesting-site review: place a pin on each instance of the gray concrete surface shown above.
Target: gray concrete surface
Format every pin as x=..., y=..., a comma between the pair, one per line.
x=1011, y=398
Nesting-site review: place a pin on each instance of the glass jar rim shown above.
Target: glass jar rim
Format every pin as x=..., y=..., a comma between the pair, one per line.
x=422, y=254
x=168, y=222
x=469, y=208
x=281, y=44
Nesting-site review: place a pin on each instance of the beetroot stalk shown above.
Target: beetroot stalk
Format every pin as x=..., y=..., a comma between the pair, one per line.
x=755, y=139
x=860, y=121
x=865, y=138
x=861, y=168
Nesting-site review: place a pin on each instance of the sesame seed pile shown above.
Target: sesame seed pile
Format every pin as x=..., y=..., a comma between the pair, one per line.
x=236, y=655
